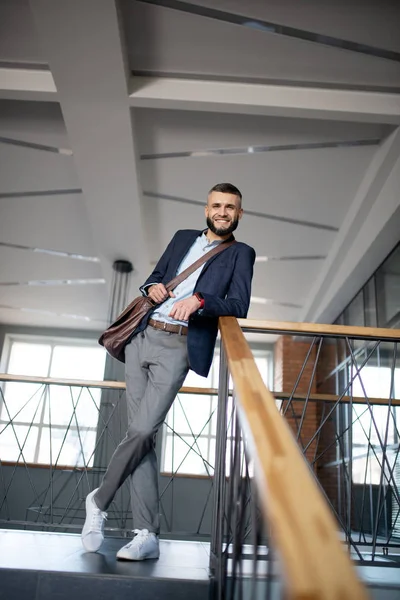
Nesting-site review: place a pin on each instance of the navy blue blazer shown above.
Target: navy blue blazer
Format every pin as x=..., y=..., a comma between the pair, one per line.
x=225, y=283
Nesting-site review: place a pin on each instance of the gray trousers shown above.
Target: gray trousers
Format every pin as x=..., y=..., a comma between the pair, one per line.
x=156, y=364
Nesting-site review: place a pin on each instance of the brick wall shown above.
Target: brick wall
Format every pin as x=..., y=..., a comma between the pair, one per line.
x=328, y=476
x=289, y=357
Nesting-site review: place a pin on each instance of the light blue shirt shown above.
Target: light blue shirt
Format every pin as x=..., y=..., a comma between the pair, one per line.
x=186, y=288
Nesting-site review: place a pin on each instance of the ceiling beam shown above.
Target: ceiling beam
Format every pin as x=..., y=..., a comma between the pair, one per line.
x=369, y=231
x=83, y=43
x=27, y=84
x=225, y=96
x=262, y=99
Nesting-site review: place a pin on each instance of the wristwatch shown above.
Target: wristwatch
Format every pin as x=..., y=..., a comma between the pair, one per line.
x=200, y=298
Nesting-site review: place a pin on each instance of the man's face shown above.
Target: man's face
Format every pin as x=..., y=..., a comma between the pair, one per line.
x=223, y=213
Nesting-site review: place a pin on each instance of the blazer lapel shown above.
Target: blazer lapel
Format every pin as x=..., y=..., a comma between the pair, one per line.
x=182, y=251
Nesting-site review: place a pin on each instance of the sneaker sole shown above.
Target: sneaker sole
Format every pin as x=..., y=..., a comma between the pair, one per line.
x=138, y=559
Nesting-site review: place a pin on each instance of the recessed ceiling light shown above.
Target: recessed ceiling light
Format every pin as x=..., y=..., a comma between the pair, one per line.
x=59, y=253
x=41, y=311
x=258, y=300
x=290, y=258
x=44, y=282
x=269, y=301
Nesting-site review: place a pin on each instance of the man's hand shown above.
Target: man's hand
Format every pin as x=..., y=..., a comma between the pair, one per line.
x=158, y=293
x=182, y=309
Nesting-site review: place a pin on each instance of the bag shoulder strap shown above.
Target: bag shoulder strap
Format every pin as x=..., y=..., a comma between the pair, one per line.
x=193, y=267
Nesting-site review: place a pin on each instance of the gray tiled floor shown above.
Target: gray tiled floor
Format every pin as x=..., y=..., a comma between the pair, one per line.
x=180, y=561
x=64, y=553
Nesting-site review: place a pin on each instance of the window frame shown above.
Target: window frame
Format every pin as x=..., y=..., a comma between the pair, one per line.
x=259, y=351
x=52, y=341
x=360, y=448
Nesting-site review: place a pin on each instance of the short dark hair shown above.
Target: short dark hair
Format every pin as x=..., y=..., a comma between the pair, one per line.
x=227, y=188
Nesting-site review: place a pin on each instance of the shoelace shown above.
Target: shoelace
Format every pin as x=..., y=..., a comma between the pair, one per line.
x=139, y=536
x=98, y=519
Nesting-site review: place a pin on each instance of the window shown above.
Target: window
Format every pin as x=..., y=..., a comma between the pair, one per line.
x=376, y=381
x=377, y=303
x=193, y=418
x=354, y=313
x=50, y=424
x=388, y=291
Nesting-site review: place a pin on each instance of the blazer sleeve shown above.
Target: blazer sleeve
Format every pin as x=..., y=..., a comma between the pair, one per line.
x=160, y=269
x=237, y=300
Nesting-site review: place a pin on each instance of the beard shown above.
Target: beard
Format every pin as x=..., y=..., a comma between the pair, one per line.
x=222, y=231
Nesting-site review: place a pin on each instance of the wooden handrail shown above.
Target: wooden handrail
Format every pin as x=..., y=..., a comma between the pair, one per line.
x=315, y=564
x=335, y=398
x=107, y=385
x=200, y=391
x=289, y=327
x=114, y=385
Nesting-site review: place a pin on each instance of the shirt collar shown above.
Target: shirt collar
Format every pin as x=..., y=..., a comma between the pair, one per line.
x=202, y=234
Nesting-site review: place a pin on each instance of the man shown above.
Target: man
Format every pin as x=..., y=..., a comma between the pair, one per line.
x=179, y=334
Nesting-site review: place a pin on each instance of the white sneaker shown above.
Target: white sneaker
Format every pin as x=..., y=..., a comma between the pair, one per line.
x=144, y=545
x=93, y=529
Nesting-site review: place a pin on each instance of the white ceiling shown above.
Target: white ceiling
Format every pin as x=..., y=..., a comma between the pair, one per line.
x=113, y=128
x=161, y=40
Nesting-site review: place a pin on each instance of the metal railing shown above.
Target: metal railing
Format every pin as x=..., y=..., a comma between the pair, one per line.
x=342, y=403
x=56, y=439
x=286, y=473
